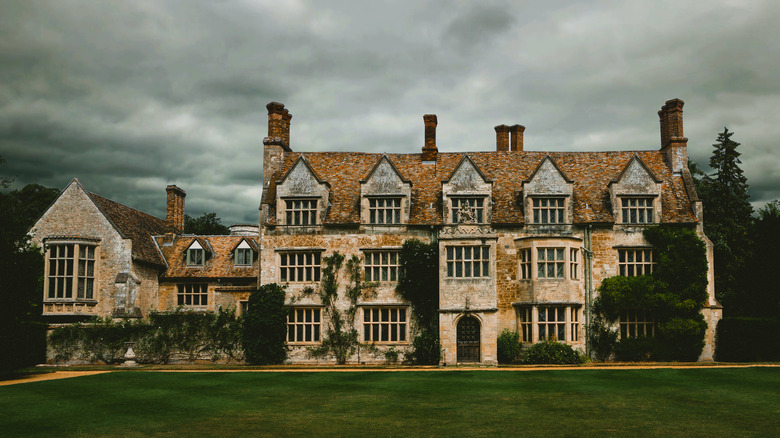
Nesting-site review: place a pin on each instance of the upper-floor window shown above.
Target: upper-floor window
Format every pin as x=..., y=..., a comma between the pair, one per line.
x=636, y=210
x=549, y=262
x=468, y=210
x=574, y=264
x=193, y=295
x=300, y=267
x=244, y=255
x=384, y=210
x=635, y=261
x=381, y=266
x=61, y=278
x=196, y=255
x=468, y=261
x=548, y=210
x=300, y=211
x=525, y=264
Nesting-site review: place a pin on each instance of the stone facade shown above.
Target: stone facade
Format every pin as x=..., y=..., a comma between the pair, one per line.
x=525, y=238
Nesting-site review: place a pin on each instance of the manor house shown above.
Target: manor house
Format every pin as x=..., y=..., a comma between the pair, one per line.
x=525, y=238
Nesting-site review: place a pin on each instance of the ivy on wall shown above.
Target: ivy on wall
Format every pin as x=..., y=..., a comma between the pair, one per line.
x=674, y=293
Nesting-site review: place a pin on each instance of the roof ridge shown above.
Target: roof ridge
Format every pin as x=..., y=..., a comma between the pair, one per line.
x=127, y=206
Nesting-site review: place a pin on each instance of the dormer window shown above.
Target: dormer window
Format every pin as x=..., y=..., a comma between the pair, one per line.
x=548, y=210
x=244, y=255
x=635, y=210
x=469, y=210
x=384, y=210
x=196, y=255
x=300, y=211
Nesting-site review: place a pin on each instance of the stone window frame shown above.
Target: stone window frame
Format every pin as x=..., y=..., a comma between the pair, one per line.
x=648, y=211
x=574, y=264
x=192, y=292
x=550, y=257
x=396, y=211
x=452, y=261
x=562, y=210
x=312, y=210
x=530, y=323
x=534, y=244
x=283, y=259
x=624, y=265
x=309, y=327
x=379, y=327
x=524, y=256
x=481, y=217
x=632, y=321
x=371, y=266
x=74, y=274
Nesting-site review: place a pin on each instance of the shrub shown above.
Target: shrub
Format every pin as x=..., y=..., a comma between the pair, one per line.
x=681, y=339
x=265, y=326
x=748, y=340
x=636, y=349
x=508, y=346
x=426, y=349
x=602, y=339
x=551, y=352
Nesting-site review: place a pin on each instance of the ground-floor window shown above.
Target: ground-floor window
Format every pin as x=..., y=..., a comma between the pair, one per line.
x=384, y=324
x=193, y=295
x=553, y=322
x=303, y=325
x=634, y=323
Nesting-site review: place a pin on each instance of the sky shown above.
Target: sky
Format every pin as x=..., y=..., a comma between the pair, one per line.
x=130, y=96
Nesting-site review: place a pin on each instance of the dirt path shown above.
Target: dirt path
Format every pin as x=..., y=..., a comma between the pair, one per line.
x=68, y=374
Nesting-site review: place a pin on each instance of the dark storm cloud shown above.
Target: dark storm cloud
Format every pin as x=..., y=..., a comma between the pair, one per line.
x=131, y=96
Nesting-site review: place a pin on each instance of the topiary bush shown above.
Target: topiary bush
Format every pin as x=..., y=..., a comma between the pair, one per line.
x=636, y=349
x=551, y=352
x=748, y=340
x=265, y=326
x=509, y=347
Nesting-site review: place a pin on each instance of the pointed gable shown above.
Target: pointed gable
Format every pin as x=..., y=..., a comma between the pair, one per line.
x=467, y=178
x=384, y=179
x=301, y=180
x=547, y=179
x=636, y=178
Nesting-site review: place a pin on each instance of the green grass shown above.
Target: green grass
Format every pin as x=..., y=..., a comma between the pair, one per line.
x=663, y=402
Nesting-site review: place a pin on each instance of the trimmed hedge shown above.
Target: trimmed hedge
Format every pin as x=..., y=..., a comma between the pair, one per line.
x=748, y=340
x=551, y=352
x=508, y=346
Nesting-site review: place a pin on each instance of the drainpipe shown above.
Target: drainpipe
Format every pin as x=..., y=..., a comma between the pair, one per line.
x=588, y=251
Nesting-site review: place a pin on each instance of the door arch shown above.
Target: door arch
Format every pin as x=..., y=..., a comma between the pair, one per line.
x=468, y=339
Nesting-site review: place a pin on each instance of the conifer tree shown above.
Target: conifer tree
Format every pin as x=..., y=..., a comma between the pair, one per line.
x=727, y=220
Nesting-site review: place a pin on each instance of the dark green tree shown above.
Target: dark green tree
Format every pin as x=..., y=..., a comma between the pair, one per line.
x=21, y=268
x=419, y=280
x=727, y=221
x=208, y=224
x=265, y=326
x=764, y=297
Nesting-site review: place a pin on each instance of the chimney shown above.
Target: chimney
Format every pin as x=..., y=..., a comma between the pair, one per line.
x=174, y=213
x=516, y=143
x=673, y=140
x=277, y=142
x=286, y=117
x=502, y=138
x=429, y=151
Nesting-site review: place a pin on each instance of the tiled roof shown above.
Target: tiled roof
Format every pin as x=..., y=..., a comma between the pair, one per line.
x=135, y=225
x=219, y=263
x=591, y=173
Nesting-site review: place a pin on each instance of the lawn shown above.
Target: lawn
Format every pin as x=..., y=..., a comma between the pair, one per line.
x=661, y=402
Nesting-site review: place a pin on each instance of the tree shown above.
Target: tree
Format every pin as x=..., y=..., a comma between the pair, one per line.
x=21, y=269
x=208, y=224
x=727, y=220
x=265, y=326
x=764, y=297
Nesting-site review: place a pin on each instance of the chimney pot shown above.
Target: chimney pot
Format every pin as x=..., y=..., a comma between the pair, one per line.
x=275, y=121
x=174, y=212
x=429, y=151
x=502, y=138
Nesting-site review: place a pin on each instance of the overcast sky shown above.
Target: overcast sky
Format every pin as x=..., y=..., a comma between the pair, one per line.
x=129, y=96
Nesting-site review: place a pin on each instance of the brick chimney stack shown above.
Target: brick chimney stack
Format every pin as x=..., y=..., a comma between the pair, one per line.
x=673, y=140
x=429, y=151
x=277, y=142
x=286, y=117
x=516, y=143
x=502, y=138
x=174, y=213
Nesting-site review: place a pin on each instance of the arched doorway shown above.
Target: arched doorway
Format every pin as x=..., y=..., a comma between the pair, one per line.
x=468, y=339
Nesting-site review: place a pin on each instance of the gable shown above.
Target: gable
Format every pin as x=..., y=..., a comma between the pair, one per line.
x=547, y=179
x=300, y=181
x=467, y=178
x=384, y=179
x=636, y=178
